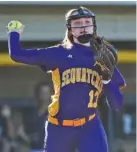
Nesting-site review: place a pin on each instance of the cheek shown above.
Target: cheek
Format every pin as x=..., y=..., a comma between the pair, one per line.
x=75, y=31
x=90, y=29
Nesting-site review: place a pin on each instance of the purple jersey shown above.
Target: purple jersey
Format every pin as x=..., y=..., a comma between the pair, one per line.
x=76, y=82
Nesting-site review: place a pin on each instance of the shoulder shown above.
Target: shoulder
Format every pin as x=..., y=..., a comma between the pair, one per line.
x=55, y=48
x=58, y=46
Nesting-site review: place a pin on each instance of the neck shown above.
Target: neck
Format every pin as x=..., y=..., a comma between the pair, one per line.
x=85, y=44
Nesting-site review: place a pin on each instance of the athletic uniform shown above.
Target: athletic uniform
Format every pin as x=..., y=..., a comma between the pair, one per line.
x=73, y=121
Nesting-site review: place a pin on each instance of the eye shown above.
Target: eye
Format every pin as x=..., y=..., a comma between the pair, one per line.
x=77, y=23
x=88, y=22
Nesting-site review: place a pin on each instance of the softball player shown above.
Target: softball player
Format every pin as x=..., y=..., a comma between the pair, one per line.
x=79, y=79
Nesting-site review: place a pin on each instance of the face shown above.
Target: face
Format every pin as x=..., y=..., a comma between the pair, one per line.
x=81, y=26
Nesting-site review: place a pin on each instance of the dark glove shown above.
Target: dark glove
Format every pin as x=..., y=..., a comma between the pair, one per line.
x=105, y=57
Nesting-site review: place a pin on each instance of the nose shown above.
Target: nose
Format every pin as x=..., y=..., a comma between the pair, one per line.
x=83, y=29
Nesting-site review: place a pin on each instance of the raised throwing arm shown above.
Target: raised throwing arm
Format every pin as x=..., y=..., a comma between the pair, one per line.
x=44, y=56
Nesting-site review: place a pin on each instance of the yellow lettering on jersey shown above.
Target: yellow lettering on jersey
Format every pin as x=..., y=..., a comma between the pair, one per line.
x=94, y=73
x=72, y=75
x=89, y=73
x=96, y=84
x=91, y=94
x=67, y=76
x=78, y=74
x=100, y=85
x=63, y=78
x=82, y=75
x=83, y=78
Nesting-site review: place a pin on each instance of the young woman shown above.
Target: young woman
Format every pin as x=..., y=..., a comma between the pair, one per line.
x=73, y=121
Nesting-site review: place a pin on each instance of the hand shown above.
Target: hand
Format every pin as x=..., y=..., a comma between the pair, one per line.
x=15, y=26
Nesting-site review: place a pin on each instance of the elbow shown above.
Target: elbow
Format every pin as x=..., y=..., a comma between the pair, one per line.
x=12, y=54
x=14, y=58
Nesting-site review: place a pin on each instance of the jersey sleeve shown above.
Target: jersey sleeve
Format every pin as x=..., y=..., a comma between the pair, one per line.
x=40, y=57
x=118, y=78
x=113, y=95
x=112, y=90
